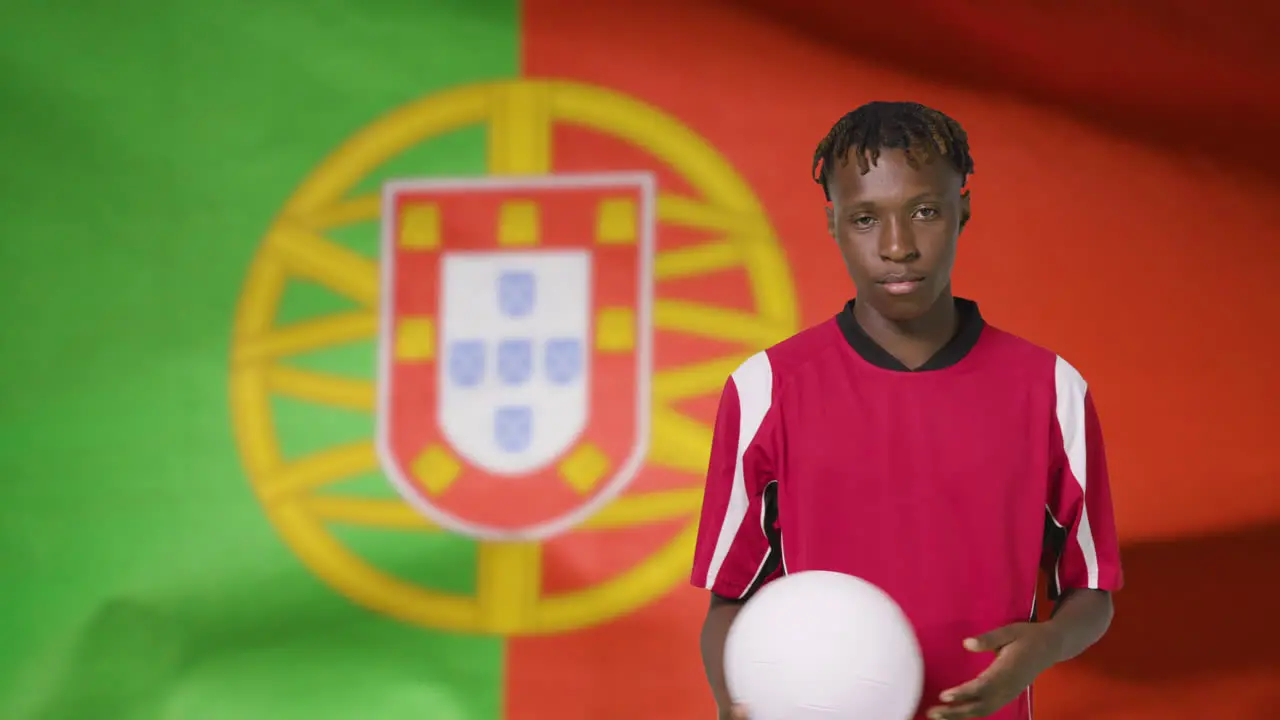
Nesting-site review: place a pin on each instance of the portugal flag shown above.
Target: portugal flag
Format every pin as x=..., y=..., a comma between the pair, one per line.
x=360, y=358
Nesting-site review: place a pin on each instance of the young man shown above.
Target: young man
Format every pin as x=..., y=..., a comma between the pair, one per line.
x=907, y=442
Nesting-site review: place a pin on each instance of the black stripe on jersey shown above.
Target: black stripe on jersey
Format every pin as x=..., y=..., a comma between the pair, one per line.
x=773, y=556
x=1055, y=543
x=768, y=524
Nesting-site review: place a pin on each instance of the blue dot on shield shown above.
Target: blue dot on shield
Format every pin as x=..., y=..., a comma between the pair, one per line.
x=513, y=428
x=466, y=363
x=516, y=293
x=563, y=360
x=515, y=361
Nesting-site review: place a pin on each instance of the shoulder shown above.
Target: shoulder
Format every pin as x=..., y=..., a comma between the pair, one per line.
x=771, y=368
x=1031, y=362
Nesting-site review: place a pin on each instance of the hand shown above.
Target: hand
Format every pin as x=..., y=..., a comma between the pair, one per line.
x=1023, y=651
x=737, y=712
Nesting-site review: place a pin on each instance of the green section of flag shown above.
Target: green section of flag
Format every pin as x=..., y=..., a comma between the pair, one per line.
x=146, y=147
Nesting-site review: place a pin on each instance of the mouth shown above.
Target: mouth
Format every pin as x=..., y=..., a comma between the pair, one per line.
x=901, y=283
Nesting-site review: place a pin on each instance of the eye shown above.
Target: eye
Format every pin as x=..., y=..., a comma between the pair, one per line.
x=862, y=221
x=925, y=213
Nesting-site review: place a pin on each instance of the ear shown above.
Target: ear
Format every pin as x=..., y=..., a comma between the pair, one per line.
x=965, y=211
x=831, y=220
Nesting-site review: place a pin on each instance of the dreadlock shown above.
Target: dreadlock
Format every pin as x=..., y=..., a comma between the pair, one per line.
x=922, y=132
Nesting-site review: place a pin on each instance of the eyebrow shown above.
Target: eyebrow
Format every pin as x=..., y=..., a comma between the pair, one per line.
x=918, y=197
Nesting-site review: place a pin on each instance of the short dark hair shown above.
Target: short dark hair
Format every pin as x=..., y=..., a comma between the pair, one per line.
x=924, y=133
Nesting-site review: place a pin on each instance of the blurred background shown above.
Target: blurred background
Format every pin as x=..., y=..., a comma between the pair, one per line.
x=194, y=523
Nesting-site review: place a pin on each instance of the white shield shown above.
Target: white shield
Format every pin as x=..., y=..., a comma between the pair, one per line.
x=515, y=365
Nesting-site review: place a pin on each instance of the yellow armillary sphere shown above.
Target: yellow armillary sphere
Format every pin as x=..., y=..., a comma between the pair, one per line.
x=518, y=116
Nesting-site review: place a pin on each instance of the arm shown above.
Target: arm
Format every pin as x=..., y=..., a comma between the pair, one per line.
x=715, y=628
x=1080, y=619
x=1085, y=567
x=734, y=556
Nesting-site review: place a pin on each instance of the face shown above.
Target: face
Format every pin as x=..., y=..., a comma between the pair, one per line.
x=897, y=228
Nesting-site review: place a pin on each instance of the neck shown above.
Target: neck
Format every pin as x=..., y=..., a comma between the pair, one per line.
x=916, y=340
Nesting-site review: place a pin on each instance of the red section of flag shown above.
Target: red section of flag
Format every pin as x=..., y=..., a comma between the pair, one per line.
x=1125, y=256
x=1190, y=74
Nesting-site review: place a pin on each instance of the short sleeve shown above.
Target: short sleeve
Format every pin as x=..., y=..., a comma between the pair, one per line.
x=734, y=554
x=1086, y=550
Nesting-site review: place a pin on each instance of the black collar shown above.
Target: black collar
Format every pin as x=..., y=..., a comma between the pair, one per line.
x=971, y=325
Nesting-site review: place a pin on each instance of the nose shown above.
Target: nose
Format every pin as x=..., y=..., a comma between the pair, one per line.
x=898, y=242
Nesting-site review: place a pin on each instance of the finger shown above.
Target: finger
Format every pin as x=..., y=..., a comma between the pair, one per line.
x=739, y=713
x=994, y=640
x=955, y=712
x=968, y=692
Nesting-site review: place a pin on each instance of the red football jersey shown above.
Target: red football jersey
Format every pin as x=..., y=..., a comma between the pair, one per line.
x=950, y=486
